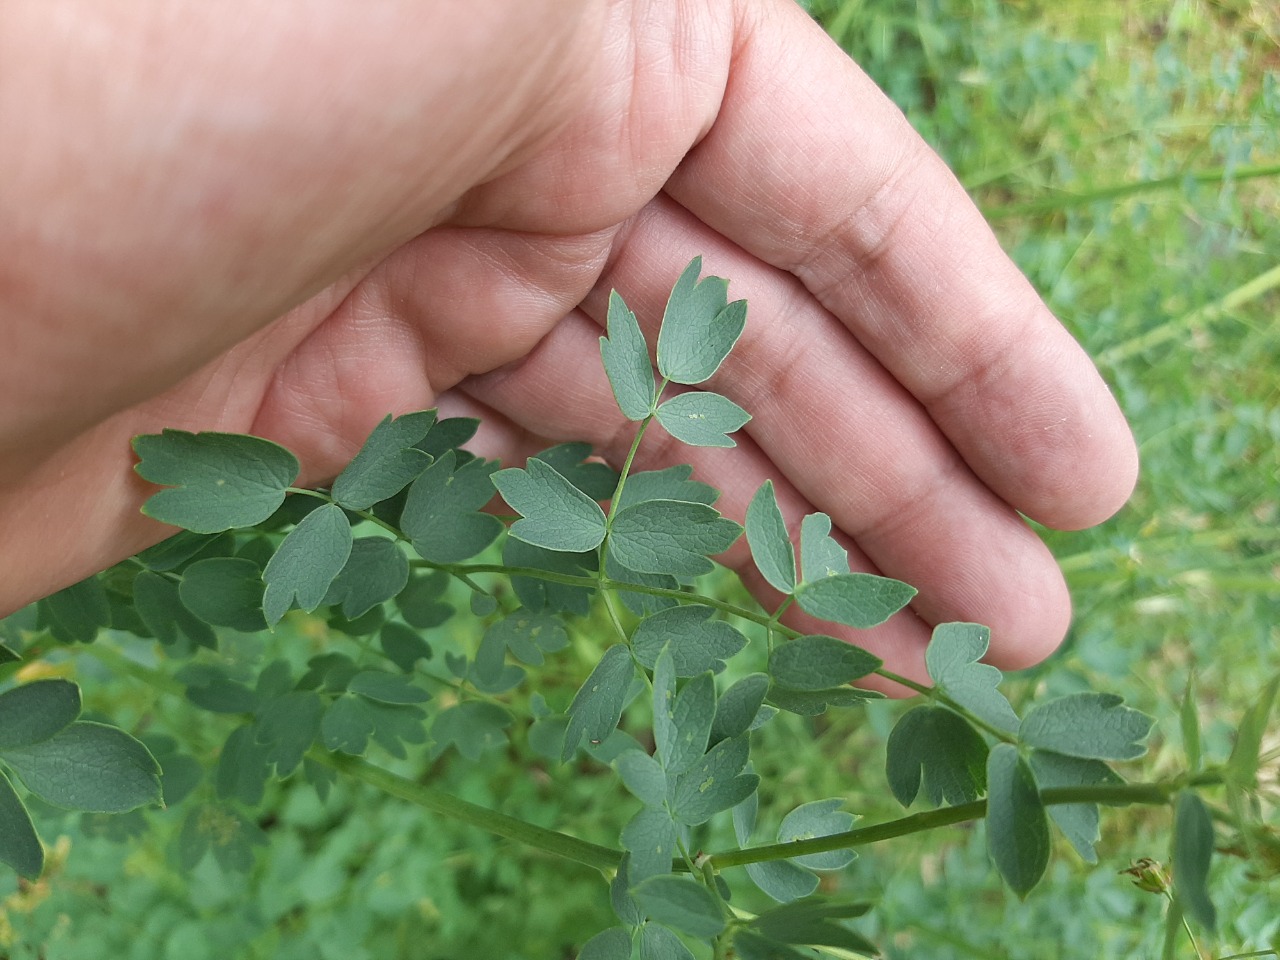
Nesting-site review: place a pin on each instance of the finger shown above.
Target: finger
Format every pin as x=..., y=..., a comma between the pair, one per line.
x=821, y=176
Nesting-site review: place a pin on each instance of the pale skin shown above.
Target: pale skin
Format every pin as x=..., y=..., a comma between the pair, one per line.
x=294, y=218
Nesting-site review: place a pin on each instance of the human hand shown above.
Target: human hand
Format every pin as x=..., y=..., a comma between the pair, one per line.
x=261, y=248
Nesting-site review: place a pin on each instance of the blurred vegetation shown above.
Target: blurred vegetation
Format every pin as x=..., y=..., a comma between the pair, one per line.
x=1127, y=154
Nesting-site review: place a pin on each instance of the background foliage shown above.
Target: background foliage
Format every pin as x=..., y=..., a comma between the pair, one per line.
x=1127, y=154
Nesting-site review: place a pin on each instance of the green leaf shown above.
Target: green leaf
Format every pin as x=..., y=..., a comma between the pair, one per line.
x=952, y=659
x=939, y=748
x=306, y=562
x=81, y=609
x=556, y=514
x=1242, y=765
x=699, y=326
x=820, y=555
x=859, y=600
x=659, y=943
x=641, y=604
x=88, y=766
x=538, y=594
x=670, y=536
x=419, y=602
x=220, y=481
x=818, y=818
x=473, y=726
x=692, y=712
x=347, y=725
x=698, y=643
x=812, y=922
x=1192, y=853
x=448, y=434
x=1077, y=821
x=819, y=662
x=441, y=514
x=1017, y=828
x=172, y=553
x=386, y=687
x=673, y=483
x=597, y=706
x=288, y=725
x=376, y=571
x=626, y=361
x=680, y=903
x=811, y=703
x=162, y=610
x=1087, y=725
x=749, y=945
x=643, y=776
x=650, y=838
x=20, y=847
x=387, y=463
x=243, y=767
x=702, y=419
x=597, y=480
x=225, y=592
x=620, y=894
x=664, y=702
x=36, y=711
x=713, y=783
x=529, y=635
x=739, y=706
x=611, y=944
x=403, y=646
x=770, y=543
x=782, y=880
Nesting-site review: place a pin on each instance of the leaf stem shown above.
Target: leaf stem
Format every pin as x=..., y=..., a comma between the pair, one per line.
x=455, y=808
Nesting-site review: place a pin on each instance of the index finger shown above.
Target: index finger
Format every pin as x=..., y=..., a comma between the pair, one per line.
x=812, y=169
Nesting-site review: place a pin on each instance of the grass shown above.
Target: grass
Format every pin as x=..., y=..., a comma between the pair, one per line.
x=1129, y=156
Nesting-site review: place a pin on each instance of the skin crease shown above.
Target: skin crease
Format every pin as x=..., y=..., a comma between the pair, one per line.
x=297, y=219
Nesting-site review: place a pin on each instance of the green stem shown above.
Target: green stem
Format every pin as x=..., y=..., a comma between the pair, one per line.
x=437, y=801
x=1116, y=191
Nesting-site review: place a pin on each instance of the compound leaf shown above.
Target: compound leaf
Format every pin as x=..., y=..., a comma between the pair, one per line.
x=80, y=610
x=819, y=662
x=448, y=434
x=626, y=361
x=692, y=712
x=812, y=922
x=36, y=711
x=650, y=839
x=89, y=766
x=673, y=483
x=713, y=783
x=158, y=604
x=597, y=480
x=680, y=903
x=818, y=818
x=243, y=767
x=952, y=659
x=441, y=514
x=287, y=725
x=670, y=536
x=387, y=463
x=702, y=419
x=659, y=943
x=770, y=543
x=933, y=746
x=347, y=725
x=1017, y=828
x=698, y=643
x=643, y=776
x=219, y=481
x=538, y=594
x=1077, y=821
x=472, y=726
x=811, y=703
x=529, y=635
x=555, y=514
x=376, y=571
x=597, y=706
x=387, y=687
x=225, y=592
x=782, y=880
x=403, y=646
x=20, y=847
x=738, y=707
x=1192, y=852
x=1087, y=725
x=611, y=944
x=859, y=600
x=307, y=562
x=699, y=326
x=820, y=555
